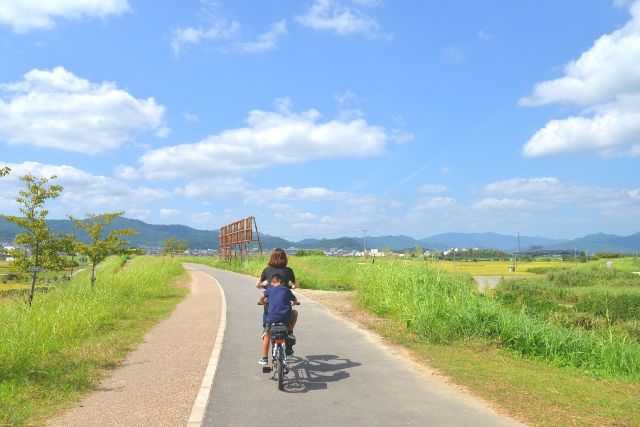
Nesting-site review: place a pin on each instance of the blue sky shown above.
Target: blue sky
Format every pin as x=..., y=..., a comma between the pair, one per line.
x=324, y=117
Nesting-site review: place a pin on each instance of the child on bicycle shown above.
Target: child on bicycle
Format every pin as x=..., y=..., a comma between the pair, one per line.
x=280, y=299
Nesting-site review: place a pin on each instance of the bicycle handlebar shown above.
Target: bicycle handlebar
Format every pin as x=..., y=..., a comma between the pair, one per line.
x=296, y=303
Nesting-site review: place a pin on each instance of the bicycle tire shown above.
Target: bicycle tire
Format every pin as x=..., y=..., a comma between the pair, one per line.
x=280, y=370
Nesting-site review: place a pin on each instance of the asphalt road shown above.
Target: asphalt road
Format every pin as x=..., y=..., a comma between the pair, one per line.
x=340, y=375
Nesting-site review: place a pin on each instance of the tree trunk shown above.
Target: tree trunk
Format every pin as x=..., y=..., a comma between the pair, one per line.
x=93, y=274
x=34, y=276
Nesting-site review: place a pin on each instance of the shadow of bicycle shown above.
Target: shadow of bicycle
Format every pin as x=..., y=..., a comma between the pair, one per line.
x=315, y=372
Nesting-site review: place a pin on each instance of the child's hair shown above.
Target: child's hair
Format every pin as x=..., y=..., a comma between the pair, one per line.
x=277, y=277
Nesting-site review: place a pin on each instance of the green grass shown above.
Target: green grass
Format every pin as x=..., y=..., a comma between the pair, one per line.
x=54, y=352
x=590, y=297
x=312, y=272
x=443, y=309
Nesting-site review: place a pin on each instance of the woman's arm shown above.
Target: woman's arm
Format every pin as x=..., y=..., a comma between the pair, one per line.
x=261, y=279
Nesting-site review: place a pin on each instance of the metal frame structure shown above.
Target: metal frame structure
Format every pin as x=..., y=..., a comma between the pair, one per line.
x=235, y=239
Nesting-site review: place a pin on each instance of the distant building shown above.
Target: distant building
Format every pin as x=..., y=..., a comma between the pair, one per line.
x=549, y=252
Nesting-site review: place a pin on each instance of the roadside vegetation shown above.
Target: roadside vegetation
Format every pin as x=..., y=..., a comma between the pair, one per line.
x=56, y=350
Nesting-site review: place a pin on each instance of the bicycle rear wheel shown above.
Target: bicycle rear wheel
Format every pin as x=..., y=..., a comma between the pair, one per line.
x=280, y=374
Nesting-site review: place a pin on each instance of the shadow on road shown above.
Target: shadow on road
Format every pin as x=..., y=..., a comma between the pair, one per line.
x=314, y=372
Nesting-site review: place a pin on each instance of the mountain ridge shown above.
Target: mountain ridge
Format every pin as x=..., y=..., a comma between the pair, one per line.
x=151, y=235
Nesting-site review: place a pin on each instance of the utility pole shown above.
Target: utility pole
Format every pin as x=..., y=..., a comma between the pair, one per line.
x=454, y=259
x=515, y=258
x=364, y=244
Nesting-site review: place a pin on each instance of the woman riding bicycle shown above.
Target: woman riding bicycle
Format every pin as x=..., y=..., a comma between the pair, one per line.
x=278, y=266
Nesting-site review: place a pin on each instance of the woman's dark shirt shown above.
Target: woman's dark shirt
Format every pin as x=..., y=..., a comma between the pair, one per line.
x=286, y=273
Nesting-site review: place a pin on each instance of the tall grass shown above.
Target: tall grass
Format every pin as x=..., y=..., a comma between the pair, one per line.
x=442, y=308
x=57, y=348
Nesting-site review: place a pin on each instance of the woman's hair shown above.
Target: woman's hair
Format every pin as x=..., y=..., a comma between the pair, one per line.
x=278, y=258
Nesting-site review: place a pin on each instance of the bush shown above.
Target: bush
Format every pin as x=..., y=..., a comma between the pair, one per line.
x=309, y=252
x=593, y=277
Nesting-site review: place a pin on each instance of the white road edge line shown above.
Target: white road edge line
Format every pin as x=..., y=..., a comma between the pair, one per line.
x=200, y=405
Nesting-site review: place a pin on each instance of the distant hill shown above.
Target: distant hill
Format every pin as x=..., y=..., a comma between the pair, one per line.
x=148, y=234
x=603, y=243
x=484, y=240
x=155, y=235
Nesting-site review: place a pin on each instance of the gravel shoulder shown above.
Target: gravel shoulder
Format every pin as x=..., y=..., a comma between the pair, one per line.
x=157, y=383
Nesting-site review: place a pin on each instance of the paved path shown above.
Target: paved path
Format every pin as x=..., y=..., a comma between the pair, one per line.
x=158, y=382
x=341, y=376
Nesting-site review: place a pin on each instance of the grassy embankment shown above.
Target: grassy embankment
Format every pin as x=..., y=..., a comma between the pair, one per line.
x=546, y=372
x=54, y=352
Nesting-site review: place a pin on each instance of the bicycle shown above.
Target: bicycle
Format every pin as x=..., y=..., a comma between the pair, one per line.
x=279, y=359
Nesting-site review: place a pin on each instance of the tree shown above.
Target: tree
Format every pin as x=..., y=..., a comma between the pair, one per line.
x=99, y=247
x=45, y=250
x=4, y=171
x=173, y=246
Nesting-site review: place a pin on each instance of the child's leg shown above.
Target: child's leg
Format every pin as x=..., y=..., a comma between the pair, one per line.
x=294, y=319
x=266, y=340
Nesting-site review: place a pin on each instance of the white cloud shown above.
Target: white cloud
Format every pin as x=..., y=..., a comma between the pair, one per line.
x=435, y=202
x=484, y=35
x=265, y=41
x=614, y=130
x=605, y=81
x=309, y=194
x=432, y=188
x=551, y=192
x=333, y=16
x=215, y=187
x=634, y=194
x=492, y=203
x=25, y=15
x=190, y=117
x=218, y=30
x=454, y=53
x=126, y=172
x=56, y=109
x=168, y=212
x=522, y=186
x=270, y=139
x=84, y=191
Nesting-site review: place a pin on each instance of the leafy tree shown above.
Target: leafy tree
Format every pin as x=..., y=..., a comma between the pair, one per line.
x=4, y=171
x=99, y=247
x=173, y=246
x=45, y=250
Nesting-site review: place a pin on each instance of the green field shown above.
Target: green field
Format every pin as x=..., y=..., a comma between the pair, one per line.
x=55, y=351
